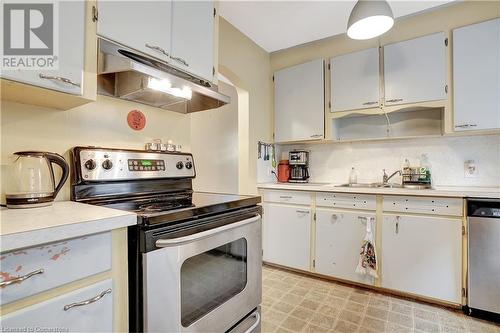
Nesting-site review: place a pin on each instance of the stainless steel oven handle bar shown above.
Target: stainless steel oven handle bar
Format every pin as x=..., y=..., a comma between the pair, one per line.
x=204, y=234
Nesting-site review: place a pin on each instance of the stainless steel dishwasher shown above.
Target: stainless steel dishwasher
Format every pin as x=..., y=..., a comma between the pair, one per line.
x=484, y=258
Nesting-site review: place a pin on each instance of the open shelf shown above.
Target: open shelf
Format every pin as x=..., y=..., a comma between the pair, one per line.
x=403, y=123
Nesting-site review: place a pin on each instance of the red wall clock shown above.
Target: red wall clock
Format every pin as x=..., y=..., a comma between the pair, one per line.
x=136, y=120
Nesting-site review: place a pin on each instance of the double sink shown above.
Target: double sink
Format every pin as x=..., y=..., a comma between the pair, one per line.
x=385, y=185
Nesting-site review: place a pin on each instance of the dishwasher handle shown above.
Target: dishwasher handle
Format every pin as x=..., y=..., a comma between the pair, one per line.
x=204, y=234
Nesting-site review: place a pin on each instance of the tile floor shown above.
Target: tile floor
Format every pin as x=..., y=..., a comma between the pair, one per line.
x=293, y=302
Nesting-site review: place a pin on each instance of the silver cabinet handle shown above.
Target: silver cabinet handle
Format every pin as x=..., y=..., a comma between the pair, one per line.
x=302, y=211
x=397, y=224
x=316, y=135
x=179, y=59
x=58, y=78
x=21, y=278
x=285, y=197
x=204, y=234
x=465, y=126
x=394, y=100
x=88, y=301
x=370, y=103
x=334, y=218
x=157, y=48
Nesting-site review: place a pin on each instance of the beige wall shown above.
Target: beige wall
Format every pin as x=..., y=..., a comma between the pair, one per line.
x=214, y=144
x=247, y=66
x=102, y=123
x=442, y=19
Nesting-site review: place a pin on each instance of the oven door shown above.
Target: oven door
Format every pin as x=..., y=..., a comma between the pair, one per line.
x=205, y=282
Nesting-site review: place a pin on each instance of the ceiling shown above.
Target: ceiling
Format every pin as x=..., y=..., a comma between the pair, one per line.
x=276, y=25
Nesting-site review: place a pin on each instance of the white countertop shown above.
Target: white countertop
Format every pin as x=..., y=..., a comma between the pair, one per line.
x=438, y=191
x=65, y=219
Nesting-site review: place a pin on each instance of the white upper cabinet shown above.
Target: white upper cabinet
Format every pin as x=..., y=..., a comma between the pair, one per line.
x=68, y=77
x=415, y=70
x=299, y=102
x=476, y=76
x=193, y=37
x=355, y=72
x=141, y=25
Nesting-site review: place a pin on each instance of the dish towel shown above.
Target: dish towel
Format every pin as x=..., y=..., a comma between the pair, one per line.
x=367, y=264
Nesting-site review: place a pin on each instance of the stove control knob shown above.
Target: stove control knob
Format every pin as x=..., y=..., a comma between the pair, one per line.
x=90, y=165
x=189, y=165
x=107, y=164
x=180, y=165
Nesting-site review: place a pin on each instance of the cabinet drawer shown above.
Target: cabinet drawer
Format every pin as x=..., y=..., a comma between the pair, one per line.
x=346, y=200
x=299, y=198
x=67, y=312
x=424, y=205
x=52, y=265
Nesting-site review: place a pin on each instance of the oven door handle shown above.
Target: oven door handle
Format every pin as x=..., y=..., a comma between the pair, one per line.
x=204, y=234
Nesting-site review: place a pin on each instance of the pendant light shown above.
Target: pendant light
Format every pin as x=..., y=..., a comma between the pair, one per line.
x=369, y=19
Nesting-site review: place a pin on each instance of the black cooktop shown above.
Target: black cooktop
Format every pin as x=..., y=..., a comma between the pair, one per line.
x=181, y=206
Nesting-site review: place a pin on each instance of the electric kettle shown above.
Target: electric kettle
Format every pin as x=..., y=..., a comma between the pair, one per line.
x=32, y=182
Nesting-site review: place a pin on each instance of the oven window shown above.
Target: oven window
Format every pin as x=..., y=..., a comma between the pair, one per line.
x=211, y=278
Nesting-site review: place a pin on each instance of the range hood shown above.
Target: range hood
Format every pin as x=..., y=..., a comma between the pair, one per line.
x=127, y=74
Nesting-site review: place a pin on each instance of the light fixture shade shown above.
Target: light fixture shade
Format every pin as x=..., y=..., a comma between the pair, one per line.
x=369, y=19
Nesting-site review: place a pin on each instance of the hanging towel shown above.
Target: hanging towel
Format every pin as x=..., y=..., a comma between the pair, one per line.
x=367, y=264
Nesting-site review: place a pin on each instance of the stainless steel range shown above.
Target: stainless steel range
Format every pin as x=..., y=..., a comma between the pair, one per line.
x=194, y=258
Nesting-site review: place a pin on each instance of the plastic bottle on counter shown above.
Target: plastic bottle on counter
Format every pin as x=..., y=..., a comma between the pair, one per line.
x=353, y=176
x=425, y=167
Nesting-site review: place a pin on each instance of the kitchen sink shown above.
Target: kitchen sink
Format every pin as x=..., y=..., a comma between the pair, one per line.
x=361, y=185
x=371, y=185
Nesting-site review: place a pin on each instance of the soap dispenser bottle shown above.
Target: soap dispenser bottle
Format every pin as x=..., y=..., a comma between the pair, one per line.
x=353, y=176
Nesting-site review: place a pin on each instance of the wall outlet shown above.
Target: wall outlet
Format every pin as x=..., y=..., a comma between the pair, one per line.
x=471, y=169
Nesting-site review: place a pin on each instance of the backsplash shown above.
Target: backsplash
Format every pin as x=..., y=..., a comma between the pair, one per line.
x=101, y=123
x=332, y=163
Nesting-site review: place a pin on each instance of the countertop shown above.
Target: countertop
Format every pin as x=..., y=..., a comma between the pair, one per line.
x=438, y=191
x=64, y=219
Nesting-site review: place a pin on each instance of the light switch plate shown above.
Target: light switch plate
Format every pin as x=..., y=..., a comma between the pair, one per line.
x=471, y=169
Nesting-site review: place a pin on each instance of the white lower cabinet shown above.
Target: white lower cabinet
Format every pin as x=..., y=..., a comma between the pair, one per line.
x=339, y=236
x=287, y=235
x=422, y=255
x=67, y=312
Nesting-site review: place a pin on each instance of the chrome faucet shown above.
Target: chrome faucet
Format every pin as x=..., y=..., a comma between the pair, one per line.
x=386, y=177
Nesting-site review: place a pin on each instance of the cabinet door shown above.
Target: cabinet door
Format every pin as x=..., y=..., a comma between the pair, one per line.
x=299, y=102
x=287, y=234
x=357, y=72
x=193, y=37
x=423, y=256
x=339, y=236
x=141, y=25
x=68, y=77
x=415, y=70
x=97, y=316
x=476, y=76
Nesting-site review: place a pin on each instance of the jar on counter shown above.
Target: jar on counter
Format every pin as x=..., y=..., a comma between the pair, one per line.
x=283, y=171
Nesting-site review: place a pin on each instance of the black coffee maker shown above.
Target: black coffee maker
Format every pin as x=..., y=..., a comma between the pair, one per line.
x=299, y=166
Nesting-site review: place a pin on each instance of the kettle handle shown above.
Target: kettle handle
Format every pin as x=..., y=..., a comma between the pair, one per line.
x=61, y=162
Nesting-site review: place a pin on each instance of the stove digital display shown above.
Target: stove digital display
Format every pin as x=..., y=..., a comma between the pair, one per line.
x=146, y=165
